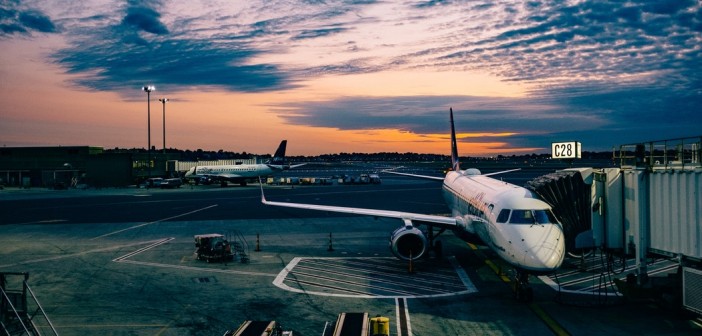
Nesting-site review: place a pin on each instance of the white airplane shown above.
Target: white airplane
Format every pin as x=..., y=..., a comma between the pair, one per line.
x=243, y=172
x=512, y=221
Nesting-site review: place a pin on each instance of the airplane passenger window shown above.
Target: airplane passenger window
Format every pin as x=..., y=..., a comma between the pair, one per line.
x=504, y=216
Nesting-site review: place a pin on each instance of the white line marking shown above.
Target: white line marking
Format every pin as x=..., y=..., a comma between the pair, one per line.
x=160, y=242
x=405, y=311
x=280, y=283
x=590, y=290
x=195, y=269
x=124, y=259
x=462, y=274
x=104, y=249
x=157, y=221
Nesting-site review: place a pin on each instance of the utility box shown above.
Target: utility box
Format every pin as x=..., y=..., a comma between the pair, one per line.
x=379, y=326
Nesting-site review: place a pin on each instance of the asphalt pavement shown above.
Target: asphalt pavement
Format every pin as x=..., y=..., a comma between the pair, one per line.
x=121, y=262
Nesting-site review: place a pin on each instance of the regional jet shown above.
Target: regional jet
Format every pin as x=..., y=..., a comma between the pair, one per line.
x=510, y=220
x=243, y=172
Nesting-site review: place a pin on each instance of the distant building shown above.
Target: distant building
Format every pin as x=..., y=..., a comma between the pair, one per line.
x=60, y=167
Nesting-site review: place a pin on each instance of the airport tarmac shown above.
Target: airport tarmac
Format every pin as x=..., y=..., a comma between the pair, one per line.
x=121, y=262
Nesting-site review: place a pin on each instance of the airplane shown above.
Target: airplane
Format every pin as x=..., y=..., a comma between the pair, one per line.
x=243, y=172
x=510, y=220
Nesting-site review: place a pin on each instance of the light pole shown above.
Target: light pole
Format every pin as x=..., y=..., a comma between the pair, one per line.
x=148, y=90
x=164, y=101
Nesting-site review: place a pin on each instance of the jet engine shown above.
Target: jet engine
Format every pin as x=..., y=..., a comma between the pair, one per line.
x=408, y=242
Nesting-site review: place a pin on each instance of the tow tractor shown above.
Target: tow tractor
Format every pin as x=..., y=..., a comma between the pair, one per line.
x=213, y=247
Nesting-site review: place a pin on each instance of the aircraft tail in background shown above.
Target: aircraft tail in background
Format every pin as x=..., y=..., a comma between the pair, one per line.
x=455, y=165
x=279, y=156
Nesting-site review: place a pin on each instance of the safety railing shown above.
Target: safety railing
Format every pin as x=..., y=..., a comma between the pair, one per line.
x=676, y=154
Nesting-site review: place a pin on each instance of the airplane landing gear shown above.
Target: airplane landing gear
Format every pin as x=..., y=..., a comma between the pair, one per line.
x=522, y=290
x=438, y=249
x=434, y=244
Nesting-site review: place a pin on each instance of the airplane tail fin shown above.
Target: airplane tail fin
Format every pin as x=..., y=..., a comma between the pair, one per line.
x=279, y=156
x=455, y=165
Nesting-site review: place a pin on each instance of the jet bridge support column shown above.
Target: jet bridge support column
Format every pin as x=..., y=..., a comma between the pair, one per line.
x=636, y=217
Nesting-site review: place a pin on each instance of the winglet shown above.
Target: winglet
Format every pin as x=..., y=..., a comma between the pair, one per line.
x=263, y=197
x=455, y=165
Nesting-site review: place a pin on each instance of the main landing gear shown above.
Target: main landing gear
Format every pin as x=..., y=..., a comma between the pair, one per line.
x=522, y=290
x=435, y=245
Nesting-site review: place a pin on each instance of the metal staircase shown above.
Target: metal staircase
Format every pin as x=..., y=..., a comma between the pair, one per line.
x=239, y=246
x=20, y=311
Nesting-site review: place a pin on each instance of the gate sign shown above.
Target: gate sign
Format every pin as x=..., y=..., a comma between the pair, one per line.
x=565, y=150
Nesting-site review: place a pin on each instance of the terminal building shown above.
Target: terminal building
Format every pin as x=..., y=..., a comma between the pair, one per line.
x=72, y=166
x=86, y=166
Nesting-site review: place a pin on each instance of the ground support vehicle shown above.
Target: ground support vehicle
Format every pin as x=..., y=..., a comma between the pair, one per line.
x=213, y=247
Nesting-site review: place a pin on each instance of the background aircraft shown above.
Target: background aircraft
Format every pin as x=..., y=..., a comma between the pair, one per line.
x=241, y=173
x=510, y=220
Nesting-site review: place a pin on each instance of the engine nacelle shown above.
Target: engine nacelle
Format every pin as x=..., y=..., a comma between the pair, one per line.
x=408, y=241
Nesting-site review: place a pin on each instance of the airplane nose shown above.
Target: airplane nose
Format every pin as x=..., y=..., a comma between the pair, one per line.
x=546, y=255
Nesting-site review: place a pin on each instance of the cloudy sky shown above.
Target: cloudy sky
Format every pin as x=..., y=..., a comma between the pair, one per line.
x=350, y=76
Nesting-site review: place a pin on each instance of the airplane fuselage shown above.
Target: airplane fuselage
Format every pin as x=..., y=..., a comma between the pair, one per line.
x=233, y=173
x=247, y=171
x=509, y=219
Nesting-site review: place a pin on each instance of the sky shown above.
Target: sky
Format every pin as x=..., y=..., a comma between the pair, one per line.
x=350, y=76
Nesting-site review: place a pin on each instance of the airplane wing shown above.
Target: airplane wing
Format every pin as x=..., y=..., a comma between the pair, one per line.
x=441, y=178
x=436, y=178
x=285, y=167
x=222, y=176
x=501, y=172
x=432, y=220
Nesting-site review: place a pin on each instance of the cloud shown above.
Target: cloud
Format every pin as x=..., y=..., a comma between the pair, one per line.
x=601, y=72
x=140, y=50
x=313, y=33
x=23, y=21
x=145, y=19
x=428, y=114
x=596, y=114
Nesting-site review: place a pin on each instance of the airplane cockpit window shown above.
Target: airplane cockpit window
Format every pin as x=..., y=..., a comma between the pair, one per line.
x=532, y=217
x=544, y=217
x=503, y=216
x=522, y=217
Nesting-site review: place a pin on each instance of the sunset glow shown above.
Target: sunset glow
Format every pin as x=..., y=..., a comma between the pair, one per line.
x=350, y=76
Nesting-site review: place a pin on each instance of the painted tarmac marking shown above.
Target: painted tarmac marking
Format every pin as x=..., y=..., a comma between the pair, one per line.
x=154, y=222
x=195, y=269
x=404, y=327
x=383, y=278
x=104, y=249
x=575, y=281
x=124, y=259
x=548, y=320
x=341, y=277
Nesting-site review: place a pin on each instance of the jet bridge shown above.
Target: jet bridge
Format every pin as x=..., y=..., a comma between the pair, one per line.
x=650, y=206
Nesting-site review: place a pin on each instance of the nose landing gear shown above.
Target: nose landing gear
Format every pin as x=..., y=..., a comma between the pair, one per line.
x=522, y=290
